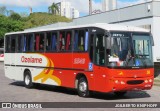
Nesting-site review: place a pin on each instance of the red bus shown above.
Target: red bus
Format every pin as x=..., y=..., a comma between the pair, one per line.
x=97, y=57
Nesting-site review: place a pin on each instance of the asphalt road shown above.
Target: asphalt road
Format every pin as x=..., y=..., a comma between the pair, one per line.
x=11, y=91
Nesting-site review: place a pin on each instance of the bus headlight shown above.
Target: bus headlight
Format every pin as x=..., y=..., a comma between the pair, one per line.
x=146, y=81
x=122, y=82
x=116, y=81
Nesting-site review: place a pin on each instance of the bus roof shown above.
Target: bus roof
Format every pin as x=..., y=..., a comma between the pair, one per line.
x=104, y=26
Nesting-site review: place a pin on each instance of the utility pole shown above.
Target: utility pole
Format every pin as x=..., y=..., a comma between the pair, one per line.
x=90, y=7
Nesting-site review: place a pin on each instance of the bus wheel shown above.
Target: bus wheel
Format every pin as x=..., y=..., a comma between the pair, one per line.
x=28, y=80
x=119, y=94
x=83, y=87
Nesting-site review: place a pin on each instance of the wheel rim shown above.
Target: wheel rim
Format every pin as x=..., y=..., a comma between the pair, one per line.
x=83, y=86
x=27, y=80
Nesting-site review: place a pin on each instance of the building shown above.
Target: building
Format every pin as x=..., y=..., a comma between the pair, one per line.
x=65, y=9
x=74, y=13
x=109, y=5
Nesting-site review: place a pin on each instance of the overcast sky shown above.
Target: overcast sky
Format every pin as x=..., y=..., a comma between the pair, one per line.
x=42, y=5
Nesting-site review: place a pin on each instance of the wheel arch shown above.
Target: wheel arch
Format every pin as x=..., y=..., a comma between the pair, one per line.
x=78, y=76
x=24, y=73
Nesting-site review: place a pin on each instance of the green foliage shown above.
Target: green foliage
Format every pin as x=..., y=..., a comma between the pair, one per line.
x=15, y=22
x=9, y=25
x=40, y=19
x=53, y=9
x=15, y=16
x=3, y=10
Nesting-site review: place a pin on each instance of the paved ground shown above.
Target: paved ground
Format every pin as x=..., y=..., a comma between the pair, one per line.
x=11, y=91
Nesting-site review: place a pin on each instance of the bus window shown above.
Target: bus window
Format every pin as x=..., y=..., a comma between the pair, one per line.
x=13, y=43
x=81, y=40
x=99, y=49
x=28, y=43
x=54, y=42
x=7, y=44
x=86, y=40
x=48, y=41
x=68, y=41
x=91, y=47
x=76, y=41
x=20, y=43
x=62, y=42
x=39, y=42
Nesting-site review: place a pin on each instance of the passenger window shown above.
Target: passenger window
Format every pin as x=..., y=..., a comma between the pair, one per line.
x=28, y=43
x=13, y=43
x=39, y=42
x=81, y=40
x=20, y=43
x=65, y=41
x=7, y=44
x=51, y=41
x=68, y=41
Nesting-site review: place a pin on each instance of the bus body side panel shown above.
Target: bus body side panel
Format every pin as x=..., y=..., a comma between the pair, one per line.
x=82, y=65
x=8, y=69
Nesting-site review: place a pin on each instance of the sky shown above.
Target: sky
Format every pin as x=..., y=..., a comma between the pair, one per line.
x=21, y=6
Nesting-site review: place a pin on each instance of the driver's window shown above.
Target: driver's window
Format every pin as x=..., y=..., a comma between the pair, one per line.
x=99, y=49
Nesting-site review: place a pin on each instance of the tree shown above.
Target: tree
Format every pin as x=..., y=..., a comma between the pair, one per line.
x=3, y=10
x=15, y=16
x=24, y=14
x=53, y=9
x=10, y=12
x=9, y=25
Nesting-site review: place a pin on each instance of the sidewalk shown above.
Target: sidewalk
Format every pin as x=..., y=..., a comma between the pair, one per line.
x=157, y=81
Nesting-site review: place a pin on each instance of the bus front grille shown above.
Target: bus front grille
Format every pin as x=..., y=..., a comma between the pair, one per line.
x=133, y=82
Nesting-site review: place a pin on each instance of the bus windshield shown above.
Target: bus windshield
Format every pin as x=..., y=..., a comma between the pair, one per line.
x=129, y=50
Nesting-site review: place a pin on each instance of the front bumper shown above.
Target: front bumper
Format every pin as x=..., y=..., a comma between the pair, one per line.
x=130, y=84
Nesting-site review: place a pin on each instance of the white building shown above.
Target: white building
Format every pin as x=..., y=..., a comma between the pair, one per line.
x=67, y=10
x=109, y=5
x=74, y=13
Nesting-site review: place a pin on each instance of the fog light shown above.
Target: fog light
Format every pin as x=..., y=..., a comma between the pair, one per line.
x=150, y=80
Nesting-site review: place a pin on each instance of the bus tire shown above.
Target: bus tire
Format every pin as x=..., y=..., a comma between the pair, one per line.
x=82, y=87
x=119, y=94
x=28, y=80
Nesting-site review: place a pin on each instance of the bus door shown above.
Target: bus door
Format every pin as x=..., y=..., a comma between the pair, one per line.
x=99, y=60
